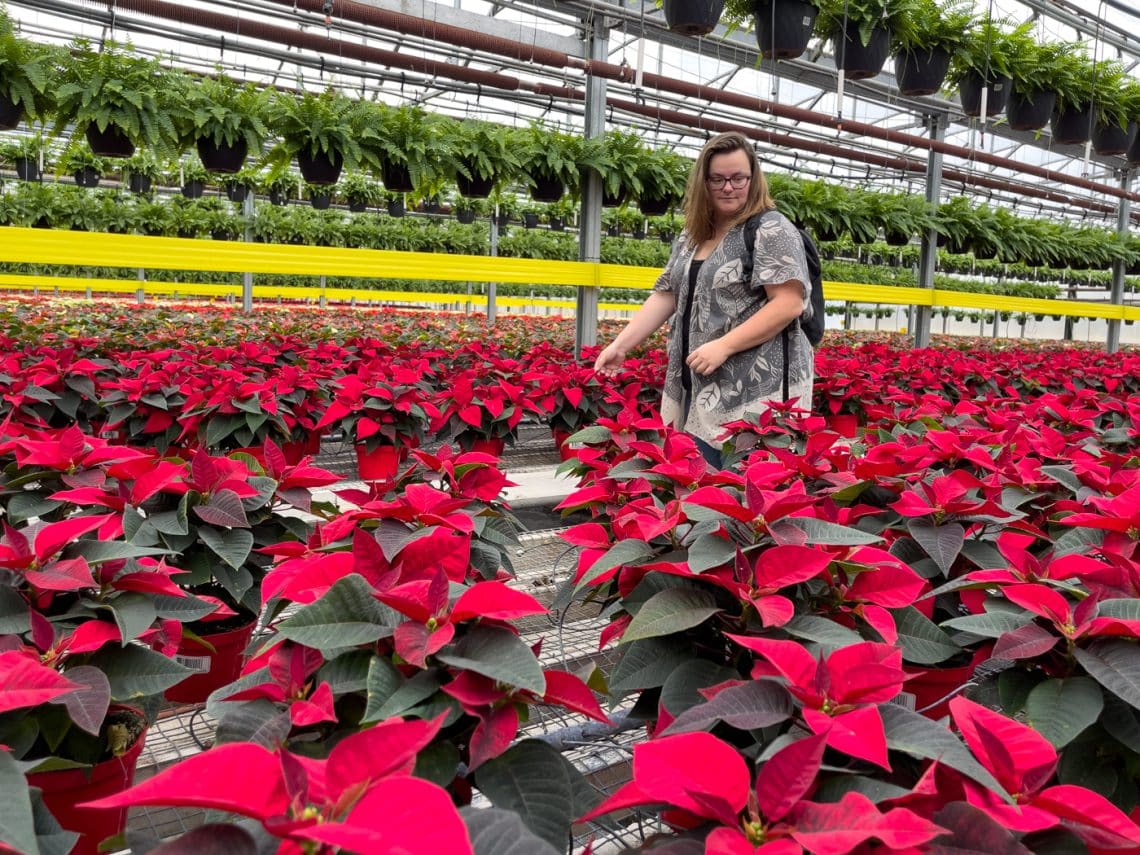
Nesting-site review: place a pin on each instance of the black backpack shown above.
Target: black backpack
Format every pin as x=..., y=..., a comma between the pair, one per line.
x=812, y=328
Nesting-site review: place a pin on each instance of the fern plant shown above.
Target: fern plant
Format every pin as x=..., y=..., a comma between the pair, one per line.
x=314, y=125
x=930, y=27
x=483, y=150
x=27, y=70
x=225, y=112
x=405, y=136
x=116, y=88
x=558, y=156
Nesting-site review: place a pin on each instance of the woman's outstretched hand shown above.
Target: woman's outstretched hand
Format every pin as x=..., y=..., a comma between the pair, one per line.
x=610, y=360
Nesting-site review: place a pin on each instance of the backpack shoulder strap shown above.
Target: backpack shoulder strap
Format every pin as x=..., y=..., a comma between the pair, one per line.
x=751, y=227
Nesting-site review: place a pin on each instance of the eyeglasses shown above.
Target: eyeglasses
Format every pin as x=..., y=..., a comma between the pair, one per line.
x=716, y=182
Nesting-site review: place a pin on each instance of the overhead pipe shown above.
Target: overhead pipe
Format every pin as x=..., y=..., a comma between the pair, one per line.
x=327, y=45
x=413, y=25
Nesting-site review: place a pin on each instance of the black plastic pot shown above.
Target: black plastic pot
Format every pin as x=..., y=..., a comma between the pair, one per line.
x=859, y=61
x=236, y=192
x=221, y=235
x=396, y=208
x=654, y=207
x=893, y=237
x=222, y=158
x=109, y=143
x=397, y=178
x=557, y=224
x=465, y=215
x=430, y=207
x=11, y=113
x=971, y=94
x=1111, y=139
x=320, y=201
x=27, y=168
x=1072, y=126
x=320, y=168
x=613, y=201
x=530, y=220
x=922, y=72
x=1133, y=153
x=139, y=183
x=546, y=189
x=475, y=187
x=276, y=197
x=613, y=231
x=693, y=17
x=193, y=189
x=666, y=236
x=87, y=176
x=784, y=27
x=357, y=207
x=1030, y=113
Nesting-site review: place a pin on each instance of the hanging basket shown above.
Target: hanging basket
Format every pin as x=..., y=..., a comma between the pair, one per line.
x=1030, y=113
x=215, y=664
x=1110, y=139
x=970, y=92
x=320, y=168
x=397, y=178
x=395, y=208
x=1132, y=156
x=193, y=189
x=11, y=113
x=320, y=201
x=112, y=142
x=63, y=789
x=921, y=72
x=475, y=187
x=222, y=158
x=693, y=17
x=356, y=206
x=654, y=206
x=615, y=200
x=27, y=169
x=87, y=176
x=861, y=61
x=236, y=192
x=466, y=216
x=784, y=27
x=140, y=184
x=546, y=189
x=1072, y=126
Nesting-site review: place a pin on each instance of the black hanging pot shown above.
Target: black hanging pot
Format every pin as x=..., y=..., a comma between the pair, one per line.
x=193, y=189
x=27, y=168
x=1072, y=125
x=613, y=200
x=11, y=113
x=236, y=192
x=475, y=187
x=652, y=206
x=613, y=231
x=140, y=183
x=112, y=142
x=356, y=206
x=396, y=208
x=1132, y=156
x=397, y=178
x=546, y=189
x=320, y=201
x=894, y=237
x=1030, y=112
x=530, y=220
x=859, y=61
x=87, y=176
x=277, y=197
x=557, y=224
x=223, y=235
x=1109, y=139
x=693, y=17
x=970, y=92
x=222, y=158
x=921, y=72
x=465, y=215
x=784, y=27
x=320, y=168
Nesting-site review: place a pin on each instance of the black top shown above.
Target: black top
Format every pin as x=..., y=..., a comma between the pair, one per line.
x=686, y=374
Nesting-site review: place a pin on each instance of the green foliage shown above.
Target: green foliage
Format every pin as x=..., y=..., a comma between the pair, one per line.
x=557, y=155
x=406, y=136
x=27, y=71
x=1037, y=66
x=836, y=16
x=314, y=125
x=928, y=26
x=356, y=187
x=483, y=150
x=115, y=87
x=986, y=51
x=143, y=162
x=221, y=110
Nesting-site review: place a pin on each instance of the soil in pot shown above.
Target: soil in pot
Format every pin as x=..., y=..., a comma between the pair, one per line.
x=222, y=158
x=921, y=73
x=1030, y=113
x=63, y=789
x=320, y=168
x=693, y=17
x=784, y=27
x=111, y=142
x=1072, y=126
x=971, y=94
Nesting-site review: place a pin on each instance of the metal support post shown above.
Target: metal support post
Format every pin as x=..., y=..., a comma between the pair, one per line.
x=492, y=308
x=1123, y=218
x=928, y=258
x=590, y=226
x=247, y=278
x=140, y=294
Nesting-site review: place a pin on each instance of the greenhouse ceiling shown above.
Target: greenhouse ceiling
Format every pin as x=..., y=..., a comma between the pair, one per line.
x=499, y=67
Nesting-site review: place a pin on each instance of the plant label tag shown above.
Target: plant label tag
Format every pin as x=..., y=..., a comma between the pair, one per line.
x=905, y=699
x=201, y=664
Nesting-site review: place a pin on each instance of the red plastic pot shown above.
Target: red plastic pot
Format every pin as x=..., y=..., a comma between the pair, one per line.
x=214, y=668
x=844, y=424
x=493, y=446
x=564, y=451
x=381, y=463
x=63, y=789
x=294, y=452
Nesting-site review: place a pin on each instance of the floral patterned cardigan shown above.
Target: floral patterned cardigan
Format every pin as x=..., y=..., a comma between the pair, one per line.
x=722, y=300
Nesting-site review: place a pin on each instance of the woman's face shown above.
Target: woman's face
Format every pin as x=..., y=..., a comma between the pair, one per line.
x=727, y=199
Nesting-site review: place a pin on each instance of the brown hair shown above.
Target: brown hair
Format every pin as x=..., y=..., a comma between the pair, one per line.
x=698, y=203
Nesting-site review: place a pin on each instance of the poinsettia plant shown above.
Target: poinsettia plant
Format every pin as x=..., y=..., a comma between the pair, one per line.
x=389, y=408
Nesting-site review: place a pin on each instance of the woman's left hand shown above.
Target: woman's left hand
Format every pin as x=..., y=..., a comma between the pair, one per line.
x=708, y=357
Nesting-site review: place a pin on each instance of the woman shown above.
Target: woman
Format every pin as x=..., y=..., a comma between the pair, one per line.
x=726, y=351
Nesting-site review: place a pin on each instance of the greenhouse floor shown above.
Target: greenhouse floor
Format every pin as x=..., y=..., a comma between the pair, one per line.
x=569, y=641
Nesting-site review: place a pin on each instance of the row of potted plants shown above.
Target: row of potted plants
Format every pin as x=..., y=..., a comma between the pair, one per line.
x=1035, y=82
